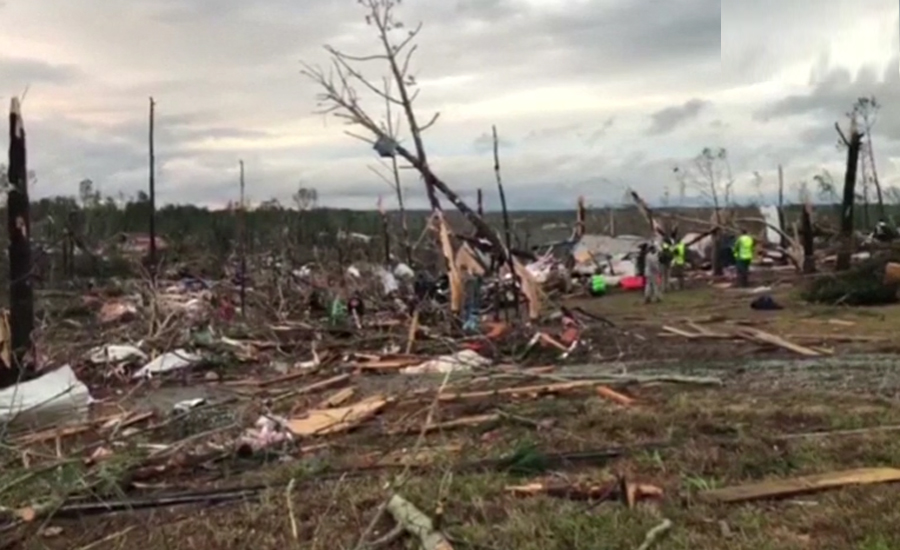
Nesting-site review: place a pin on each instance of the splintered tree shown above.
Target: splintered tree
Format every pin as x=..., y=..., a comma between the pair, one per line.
x=339, y=96
x=853, y=144
x=21, y=294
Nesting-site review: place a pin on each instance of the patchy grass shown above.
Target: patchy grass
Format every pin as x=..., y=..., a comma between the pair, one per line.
x=718, y=437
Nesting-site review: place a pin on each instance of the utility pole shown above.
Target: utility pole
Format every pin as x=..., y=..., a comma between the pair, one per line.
x=242, y=235
x=152, y=196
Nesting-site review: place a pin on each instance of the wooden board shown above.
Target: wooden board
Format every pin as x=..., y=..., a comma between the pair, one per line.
x=781, y=488
x=338, y=419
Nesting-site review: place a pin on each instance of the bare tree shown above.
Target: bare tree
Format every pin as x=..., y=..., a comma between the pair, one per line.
x=305, y=198
x=710, y=175
x=393, y=129
x=339, y=97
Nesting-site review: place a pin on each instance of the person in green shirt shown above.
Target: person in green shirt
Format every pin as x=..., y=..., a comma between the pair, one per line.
x=598, y=284
x=743, y=257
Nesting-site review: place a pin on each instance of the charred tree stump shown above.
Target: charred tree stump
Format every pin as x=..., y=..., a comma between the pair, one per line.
x=853, y=145
x=21, y=293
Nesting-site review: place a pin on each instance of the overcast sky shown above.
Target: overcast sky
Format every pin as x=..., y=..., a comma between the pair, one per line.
x=589, y=96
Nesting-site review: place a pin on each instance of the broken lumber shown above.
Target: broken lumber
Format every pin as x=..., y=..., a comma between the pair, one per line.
x=465, y=421
x=800, y=485
x=759, y=336
x=339, y=419
x=521, y=390
x=335, y=399
x=613, y=395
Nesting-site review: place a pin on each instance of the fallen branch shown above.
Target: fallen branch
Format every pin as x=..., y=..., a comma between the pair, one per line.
x=418, y=524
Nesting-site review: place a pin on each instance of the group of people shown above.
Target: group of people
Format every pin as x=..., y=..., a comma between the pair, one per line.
x=659, y=264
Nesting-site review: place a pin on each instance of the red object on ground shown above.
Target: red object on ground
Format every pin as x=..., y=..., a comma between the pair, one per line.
x=635, y=282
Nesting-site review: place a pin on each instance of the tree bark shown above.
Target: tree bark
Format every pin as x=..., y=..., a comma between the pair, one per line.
x=21, y=293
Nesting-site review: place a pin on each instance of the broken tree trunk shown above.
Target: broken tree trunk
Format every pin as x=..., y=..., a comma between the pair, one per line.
x=809, y=259
x=21, y=294
x=853, y=145
x=579, y=218
x=152, y=185
x=512, y=268
x=782, y=223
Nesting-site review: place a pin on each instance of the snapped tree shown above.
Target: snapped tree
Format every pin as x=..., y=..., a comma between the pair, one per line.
x=21, y=293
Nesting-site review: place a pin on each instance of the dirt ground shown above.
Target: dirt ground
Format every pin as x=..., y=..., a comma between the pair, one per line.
x=774, y=416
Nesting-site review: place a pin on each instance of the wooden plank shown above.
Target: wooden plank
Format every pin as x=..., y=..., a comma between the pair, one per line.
x=767, y=338
x=326, y=421
x=800, y=485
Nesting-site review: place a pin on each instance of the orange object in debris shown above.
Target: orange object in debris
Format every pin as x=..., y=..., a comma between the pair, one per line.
x=613, y=395
x=496, y=330
x=569, y=335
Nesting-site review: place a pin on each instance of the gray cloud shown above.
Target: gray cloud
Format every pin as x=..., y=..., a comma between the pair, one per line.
x=834, y=93
x=21, y=72
x=555, y=78
x=666, y=120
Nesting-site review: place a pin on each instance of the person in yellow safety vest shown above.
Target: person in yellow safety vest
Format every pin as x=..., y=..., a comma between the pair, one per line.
x=679, y=258
x=743, y=256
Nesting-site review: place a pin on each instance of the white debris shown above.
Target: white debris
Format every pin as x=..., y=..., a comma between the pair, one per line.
x=354, y=272
x=388, y=280
x=167, y=362
x=403, y=271
x=57, y=391
x=770, y=214
x=114, y=353
x=461, y=361
x=188, y=404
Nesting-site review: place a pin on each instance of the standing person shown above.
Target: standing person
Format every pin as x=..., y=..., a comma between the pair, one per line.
x=679, y=259
x=743, y=257
x=641, y=261
x=652, y=275
x=665, y=261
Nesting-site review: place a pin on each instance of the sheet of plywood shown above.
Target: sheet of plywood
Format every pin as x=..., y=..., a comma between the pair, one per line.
x=338, y=419
x=782, y=488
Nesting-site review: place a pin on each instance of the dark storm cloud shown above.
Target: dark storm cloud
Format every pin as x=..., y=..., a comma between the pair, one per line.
x=666, y=120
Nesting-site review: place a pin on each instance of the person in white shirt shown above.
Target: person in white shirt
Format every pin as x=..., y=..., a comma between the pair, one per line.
x=652, y=274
